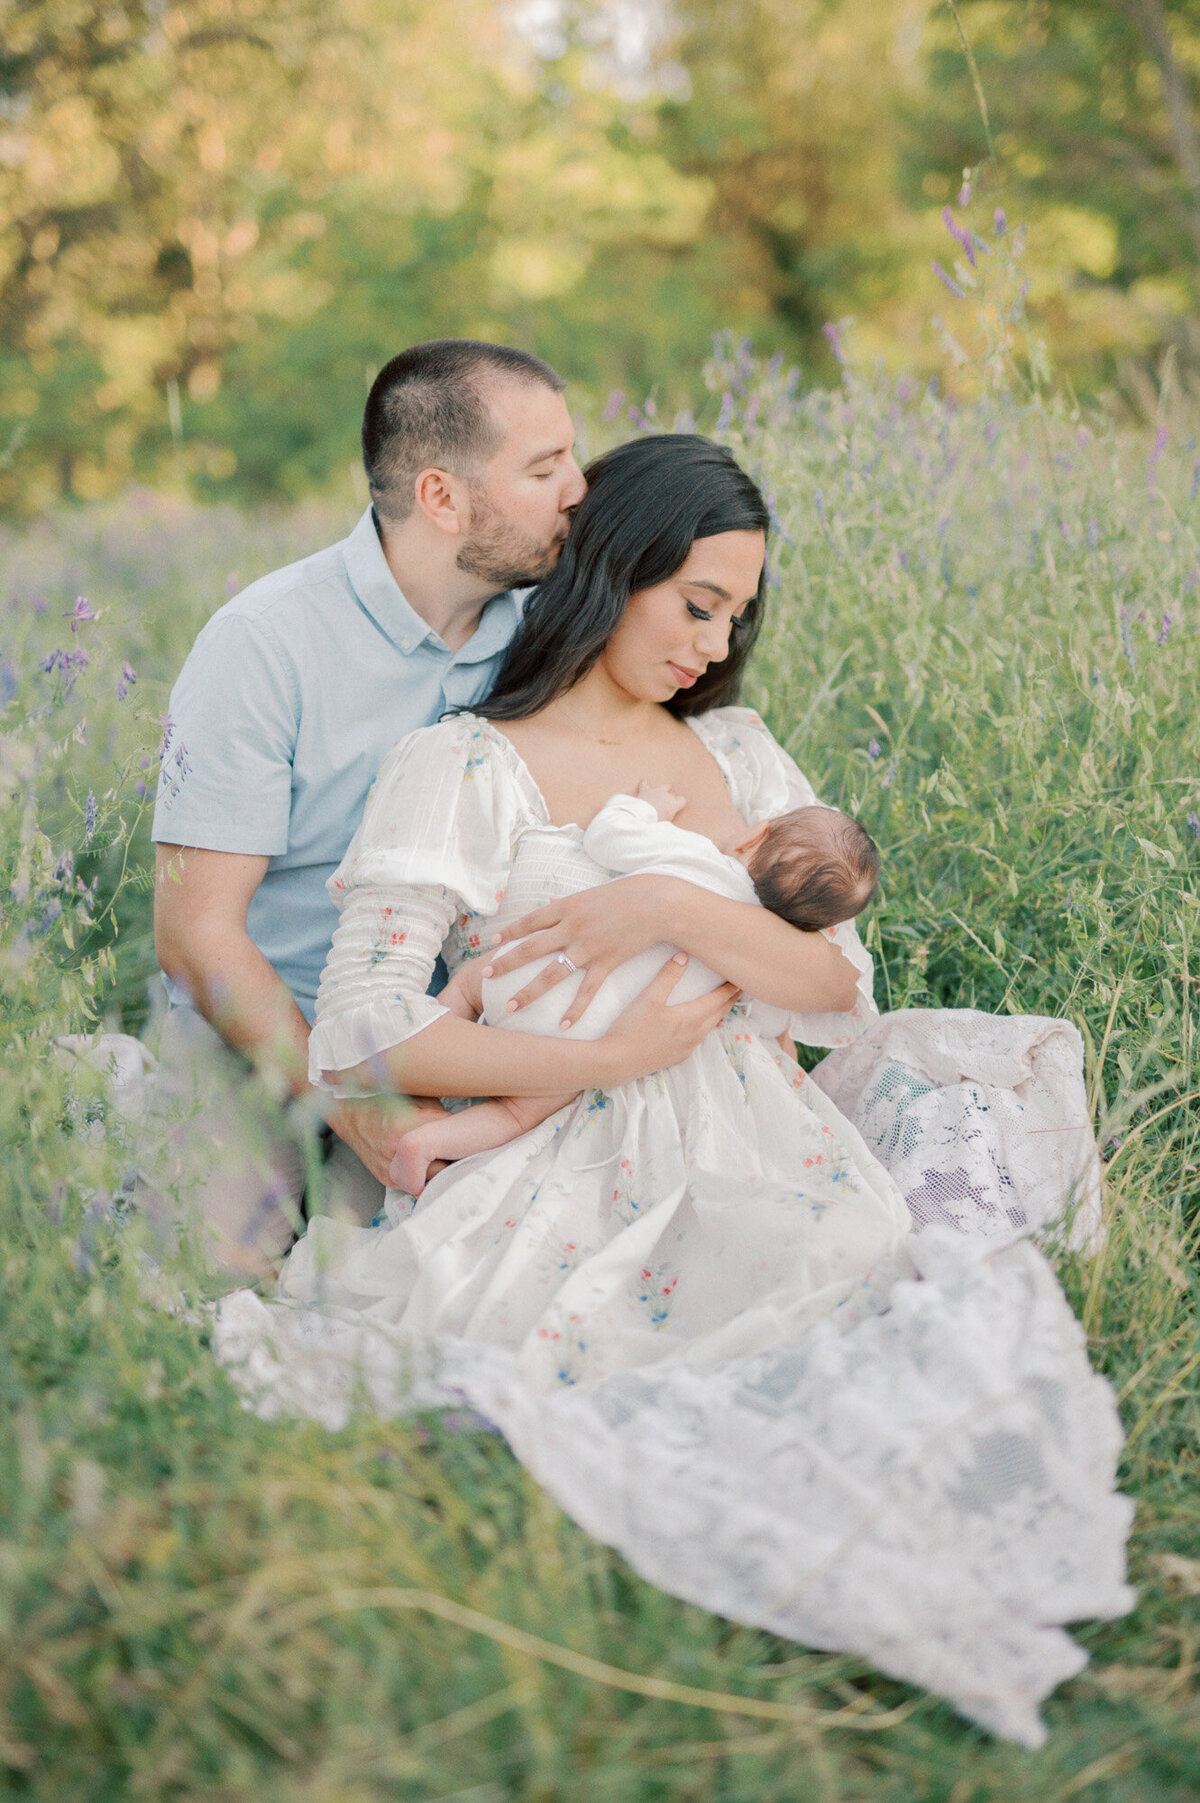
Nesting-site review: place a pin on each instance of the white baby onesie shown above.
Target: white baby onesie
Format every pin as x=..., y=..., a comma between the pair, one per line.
x=628, y=838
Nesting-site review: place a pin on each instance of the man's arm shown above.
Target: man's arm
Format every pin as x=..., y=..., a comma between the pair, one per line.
x=602, y=927
x=201, y=900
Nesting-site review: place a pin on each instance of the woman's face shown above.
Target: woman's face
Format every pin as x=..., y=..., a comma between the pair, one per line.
x=671, y=633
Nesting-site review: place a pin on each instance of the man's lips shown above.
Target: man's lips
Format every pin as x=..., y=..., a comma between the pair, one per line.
x=685, y=677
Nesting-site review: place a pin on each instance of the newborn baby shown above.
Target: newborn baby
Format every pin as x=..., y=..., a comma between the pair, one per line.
x=813, y=867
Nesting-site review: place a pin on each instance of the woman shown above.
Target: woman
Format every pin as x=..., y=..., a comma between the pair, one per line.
x=688, y=1297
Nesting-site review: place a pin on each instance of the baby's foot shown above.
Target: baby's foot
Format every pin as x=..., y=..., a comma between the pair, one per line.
x=410, y=1168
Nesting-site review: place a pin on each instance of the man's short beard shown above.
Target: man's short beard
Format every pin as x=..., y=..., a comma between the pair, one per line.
x=499, y=553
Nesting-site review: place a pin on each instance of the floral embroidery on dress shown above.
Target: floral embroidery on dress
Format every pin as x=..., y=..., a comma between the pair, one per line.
x=655, y=1286
x=388, y=940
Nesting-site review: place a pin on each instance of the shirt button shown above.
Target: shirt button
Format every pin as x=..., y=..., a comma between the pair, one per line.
x=406, y=644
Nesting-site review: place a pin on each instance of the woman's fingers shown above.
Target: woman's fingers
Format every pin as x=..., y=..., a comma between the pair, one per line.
x=539, y=945
x=554, y=973
x=540, y=921
x=593, y=976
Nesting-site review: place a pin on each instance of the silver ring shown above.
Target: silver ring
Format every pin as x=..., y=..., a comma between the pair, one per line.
x=563, y=959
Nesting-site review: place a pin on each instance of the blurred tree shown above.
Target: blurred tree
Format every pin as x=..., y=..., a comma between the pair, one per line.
x=276, y=197
x=789, y=110
x=1093, y=107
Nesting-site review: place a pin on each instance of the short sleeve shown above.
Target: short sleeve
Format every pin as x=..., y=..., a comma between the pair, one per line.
x=764, y=782
x=435, y=842
x=226, y=778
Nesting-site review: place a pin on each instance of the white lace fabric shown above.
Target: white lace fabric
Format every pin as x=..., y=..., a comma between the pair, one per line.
x=786, y=1343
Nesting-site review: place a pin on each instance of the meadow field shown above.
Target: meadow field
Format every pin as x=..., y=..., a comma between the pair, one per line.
x=984, y=639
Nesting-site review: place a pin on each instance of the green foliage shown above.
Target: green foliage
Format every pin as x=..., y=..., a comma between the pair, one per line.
x=218, y=219
x=983, y=639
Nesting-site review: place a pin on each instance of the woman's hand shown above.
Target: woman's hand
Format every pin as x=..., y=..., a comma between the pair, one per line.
x=597, y=928
x=653, y=1033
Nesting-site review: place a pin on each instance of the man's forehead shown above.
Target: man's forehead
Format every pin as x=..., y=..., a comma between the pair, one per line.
x=531, y=416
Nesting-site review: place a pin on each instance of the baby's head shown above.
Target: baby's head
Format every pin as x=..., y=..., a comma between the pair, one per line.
x=814, y=867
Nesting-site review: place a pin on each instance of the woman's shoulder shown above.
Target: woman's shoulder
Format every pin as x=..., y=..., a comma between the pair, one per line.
x=764, y=777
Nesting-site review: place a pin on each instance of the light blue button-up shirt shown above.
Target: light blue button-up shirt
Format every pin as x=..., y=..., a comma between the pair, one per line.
x=281, y=716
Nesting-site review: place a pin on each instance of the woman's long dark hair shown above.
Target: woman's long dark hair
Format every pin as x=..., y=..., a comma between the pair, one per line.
x=647, y=504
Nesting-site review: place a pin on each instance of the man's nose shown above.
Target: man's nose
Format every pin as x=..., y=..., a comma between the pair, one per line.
x=574, y=488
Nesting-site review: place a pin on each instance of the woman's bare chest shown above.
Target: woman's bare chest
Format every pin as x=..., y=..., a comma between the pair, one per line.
x=577, y=776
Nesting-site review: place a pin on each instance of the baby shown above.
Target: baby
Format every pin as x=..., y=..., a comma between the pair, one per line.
x=813, y=867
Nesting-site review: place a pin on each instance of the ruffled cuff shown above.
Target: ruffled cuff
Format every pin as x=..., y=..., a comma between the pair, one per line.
x=341, y=1041
x=842, y=1029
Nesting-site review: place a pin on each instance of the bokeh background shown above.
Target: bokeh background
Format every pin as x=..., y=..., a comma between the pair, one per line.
x=219, y=217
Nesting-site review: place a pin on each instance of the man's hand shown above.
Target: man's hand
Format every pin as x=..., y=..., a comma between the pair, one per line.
x=374, y=1127
x=664, y=801
x=463, y=994
x=597, y=928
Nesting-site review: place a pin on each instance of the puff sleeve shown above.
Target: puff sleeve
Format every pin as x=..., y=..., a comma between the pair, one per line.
x=435, y=842
x=765, y=781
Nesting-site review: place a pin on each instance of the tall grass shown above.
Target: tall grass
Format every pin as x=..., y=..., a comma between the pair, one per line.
x=983, y=640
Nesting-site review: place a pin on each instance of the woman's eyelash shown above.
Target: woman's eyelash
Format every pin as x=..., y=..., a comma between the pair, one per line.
x=739, y=622
x=697, y=613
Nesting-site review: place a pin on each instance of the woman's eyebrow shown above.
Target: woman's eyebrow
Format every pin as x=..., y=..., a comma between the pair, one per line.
x=713, y=588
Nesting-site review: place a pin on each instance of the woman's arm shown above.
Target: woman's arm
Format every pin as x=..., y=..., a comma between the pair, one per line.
x=451, y=1056
x=602, y=927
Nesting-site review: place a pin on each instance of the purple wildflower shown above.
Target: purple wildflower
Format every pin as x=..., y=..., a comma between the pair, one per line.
x=948, y=281
x=960, y=234
x=82, y=610
x=1082, y=437
x=819, y=499
x=834, y=334
x=873, y=748
x=685, y=421
x=70, y=663
x=1093, y=535
x=126, y=681
x=964, y=193
x=751, y=411
x=89, y=817
x=726, y=413
x=1165, y=628
x=1160, y=445
x=168, y=731
x=1193, y=824
x=9, y=682
x=616, y=401
x=1000, y=222
x=1126, y=634
x=140, y=789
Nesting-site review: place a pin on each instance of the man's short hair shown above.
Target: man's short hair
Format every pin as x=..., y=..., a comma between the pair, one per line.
x=429, y=407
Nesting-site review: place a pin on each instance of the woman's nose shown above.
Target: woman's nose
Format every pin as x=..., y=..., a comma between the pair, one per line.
x=712, y=640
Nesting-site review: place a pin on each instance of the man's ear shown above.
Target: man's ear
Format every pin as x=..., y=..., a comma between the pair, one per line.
x=754, y=838
x=442, y=500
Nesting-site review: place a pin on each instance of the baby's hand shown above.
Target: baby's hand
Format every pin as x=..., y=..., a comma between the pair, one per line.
x=664, y=801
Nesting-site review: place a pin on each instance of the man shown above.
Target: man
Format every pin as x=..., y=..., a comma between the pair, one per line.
x=287, y=703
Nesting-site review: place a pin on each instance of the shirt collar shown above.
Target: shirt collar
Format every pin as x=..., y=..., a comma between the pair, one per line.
x=381, y=595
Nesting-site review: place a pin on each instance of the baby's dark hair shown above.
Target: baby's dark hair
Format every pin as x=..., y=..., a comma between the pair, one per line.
x=815, y=867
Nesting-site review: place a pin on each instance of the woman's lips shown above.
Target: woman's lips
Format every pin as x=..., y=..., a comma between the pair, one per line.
x=684, y=677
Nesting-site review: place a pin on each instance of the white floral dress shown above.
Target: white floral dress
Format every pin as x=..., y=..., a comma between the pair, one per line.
x=696, y=1304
